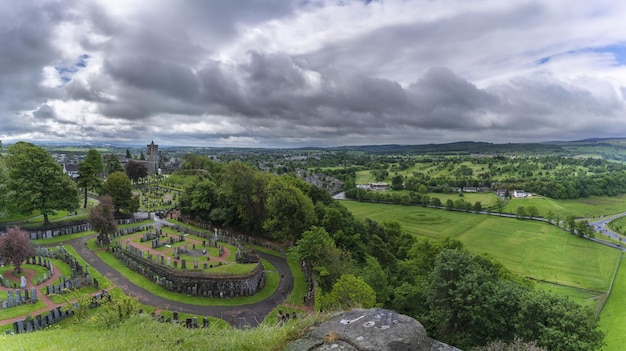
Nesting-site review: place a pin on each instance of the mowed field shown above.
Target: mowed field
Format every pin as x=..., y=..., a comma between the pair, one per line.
x=528, y=248
x=593, y=206
x=614, y=314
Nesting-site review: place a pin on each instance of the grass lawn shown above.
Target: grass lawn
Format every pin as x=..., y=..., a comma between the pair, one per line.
x=138, y=279
x=486, y=199
x=590, y=207
x=527, y=248
x=613, y=315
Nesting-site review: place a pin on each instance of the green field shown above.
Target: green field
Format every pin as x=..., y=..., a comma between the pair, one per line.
x=613, y=315
x=594, y=206
x=527, y=248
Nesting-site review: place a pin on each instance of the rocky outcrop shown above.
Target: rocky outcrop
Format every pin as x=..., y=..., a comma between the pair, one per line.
x=369, y=330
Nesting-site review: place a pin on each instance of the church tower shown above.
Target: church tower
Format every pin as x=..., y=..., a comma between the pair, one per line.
x=153, y=158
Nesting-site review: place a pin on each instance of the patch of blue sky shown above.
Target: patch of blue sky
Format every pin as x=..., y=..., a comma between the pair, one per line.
x=67, y=72
x=618, y=51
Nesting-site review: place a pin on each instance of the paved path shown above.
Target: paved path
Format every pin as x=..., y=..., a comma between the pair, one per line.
x=239, y=316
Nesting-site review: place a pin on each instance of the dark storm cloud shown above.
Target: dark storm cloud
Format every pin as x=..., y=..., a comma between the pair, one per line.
x=299, y=73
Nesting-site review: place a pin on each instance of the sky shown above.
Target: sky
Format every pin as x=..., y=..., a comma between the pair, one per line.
x=280, y=73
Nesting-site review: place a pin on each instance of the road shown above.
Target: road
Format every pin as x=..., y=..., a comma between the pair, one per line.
x=239, y=316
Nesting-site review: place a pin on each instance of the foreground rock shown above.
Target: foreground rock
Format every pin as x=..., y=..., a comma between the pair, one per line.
x=369, y=330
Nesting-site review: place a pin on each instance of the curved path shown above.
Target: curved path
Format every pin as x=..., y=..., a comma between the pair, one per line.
x=239, y=316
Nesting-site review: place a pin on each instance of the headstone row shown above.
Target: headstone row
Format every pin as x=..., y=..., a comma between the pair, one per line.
x=43, y=320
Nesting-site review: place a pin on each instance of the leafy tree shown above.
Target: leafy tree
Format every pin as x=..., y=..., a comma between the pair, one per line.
x=422, y=189
x=499, y=205
x=558, y=323
x=374, y=275
x=435, y=201
x=348, y=292
x=517, y=345
x=128, y=155
x=467, y=304
x=473, y=301
x=89, y=171
x=289, y=211
x=102, y=219
x=477, y=206
x=584, y=229
x=397, y=182
x=37, y=182
x=549, y=216
x=318, y=251
x=449, y=204
x=119, y=187
x=113, y=165
x=199, y=199
x=15, y=247
x=4, y=188
x=521, y=212
x=136, y=170
x=405, y=297
x=242, y=196
x=570, y=223
x=532, y=211
x=142, y=156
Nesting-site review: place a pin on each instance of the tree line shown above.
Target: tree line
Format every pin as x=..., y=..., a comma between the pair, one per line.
x=463, y=299
x=31, y=180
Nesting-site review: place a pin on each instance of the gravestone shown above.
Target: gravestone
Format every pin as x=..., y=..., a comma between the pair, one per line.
x=22, y=282
x=176, y=317
x=11, y=302
x=18, y=300
x=194, y=322
x=95, y=283
x=4, y=305
x=205, y=322
x=38, y=281
x=183, y=264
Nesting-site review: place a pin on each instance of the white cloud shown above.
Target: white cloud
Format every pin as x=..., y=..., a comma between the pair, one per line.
x=315, y=73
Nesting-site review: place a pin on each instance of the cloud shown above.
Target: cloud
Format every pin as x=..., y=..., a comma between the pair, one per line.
x=292, y=73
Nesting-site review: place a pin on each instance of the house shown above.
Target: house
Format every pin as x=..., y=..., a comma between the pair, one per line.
x=378, y=186
x=71, y=170
x=520, y=193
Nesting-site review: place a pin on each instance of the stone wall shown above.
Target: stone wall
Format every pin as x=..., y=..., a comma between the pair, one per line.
x=192, y=282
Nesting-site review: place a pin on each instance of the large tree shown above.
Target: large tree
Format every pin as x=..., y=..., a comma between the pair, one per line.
x=289, y=211
x=472, y=301
x=15, y=247
x=348, y=292
x=318, y=251
x=114, y=165
x=89, y=171
x=4, y=188
x=102, y=219
x=118, y=185
x=37, y=182
x=136, y=170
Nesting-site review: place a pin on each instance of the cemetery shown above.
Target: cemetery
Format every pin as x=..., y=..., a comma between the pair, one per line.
x=187, y=263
